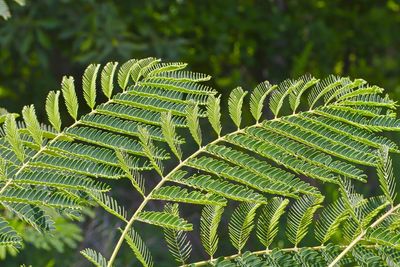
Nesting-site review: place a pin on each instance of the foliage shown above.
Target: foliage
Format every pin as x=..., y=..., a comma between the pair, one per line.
x=326, y=130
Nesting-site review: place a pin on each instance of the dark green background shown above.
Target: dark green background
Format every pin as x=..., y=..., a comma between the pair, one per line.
x=237, y=42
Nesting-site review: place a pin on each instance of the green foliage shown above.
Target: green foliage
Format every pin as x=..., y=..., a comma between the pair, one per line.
x=261, y=165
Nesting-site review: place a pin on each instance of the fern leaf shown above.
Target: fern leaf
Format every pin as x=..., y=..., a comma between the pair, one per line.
x=168, y=130
x=53, y=109
x=164, y=68
x=193, y=122
x=385, y=237
x=124, y=73
x=178, y=244
x=8, y=236
x=235, y=103
x=139, y=248
x=107, y=78
x=241, y=224
x=267, y=227
x=325, y=86
x=94, y=257
x=32, y=124
x=300, y=217
x=137, y=180
x=284, y=90
x=89, y=84
x=330, y=220
x=297, y=93
x=385, y=175
x=219, y=187
x=257, y=98
x=109, y=204
x=140, y=66
x=33, y=215
x=164, y=220
x=69, y=94
x=177, y=194
x=13, y=137
x=214, y=114
x=210, y=219
x=149, y=150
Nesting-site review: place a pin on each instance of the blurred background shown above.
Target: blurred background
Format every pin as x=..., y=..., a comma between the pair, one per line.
x=238, y=42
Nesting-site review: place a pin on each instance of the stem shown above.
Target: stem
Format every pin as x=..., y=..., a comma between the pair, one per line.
x=360, y=236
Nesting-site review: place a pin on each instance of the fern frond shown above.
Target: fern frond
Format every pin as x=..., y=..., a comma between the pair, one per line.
x=214, y=114
x=281, y=93
x=109, y=204
x=329, y=221
x=53, y=109
x=219, y=187
x=139, y=248
x=241, y=224
x=94, y=257
x=297, y=93
x=300, y=217
x=178, y=244
x=164, y=220
x=193, y=122
x=235, y=104
x=89, y=84
x=8, y=236
x=258, y=97
x=13, y=138
x=137, y=180
x=69, y=94
x=107, y=78
x=385, y=237
x=124, y=73
x=33, y=215
x=168, y=130
x=385, y=175
x=210, y=219
x=32, y=124
x=149, y=150
x=177, y=194
x=267, y=226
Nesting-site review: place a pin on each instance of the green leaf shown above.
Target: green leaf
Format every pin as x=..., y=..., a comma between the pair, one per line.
x=193, y=122
x=209, y=222
x=241, y=224
x=69, y=94
x=32, y=124
x=235, y=104
x=164, y=220
x=178, y=243
x=124, y=73
x=385, y=175
x=139, y=248
x=94, y=257
x=89, y=84
x=300, y=217
x=13, y=137
x=53, y=109
x=107, y=78
x=168, y=130
x=214, y=113
x=267, y=227
x=257, y=98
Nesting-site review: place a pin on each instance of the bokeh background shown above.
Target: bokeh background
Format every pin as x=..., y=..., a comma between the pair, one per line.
x=238, y=42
